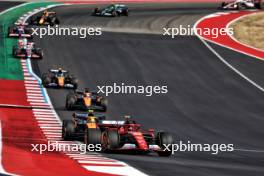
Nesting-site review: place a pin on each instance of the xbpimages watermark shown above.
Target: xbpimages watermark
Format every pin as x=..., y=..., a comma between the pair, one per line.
x=82, y=32
x=192, y=147
x=190, y=31
x=64, y=147
x=132, y=89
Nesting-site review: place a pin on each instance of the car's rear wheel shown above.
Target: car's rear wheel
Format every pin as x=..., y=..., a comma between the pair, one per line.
x=57, y=21
x=125, y=12
x=74, y=82
x=223, y=4
x=68, y=129
x=96, y=10
x=164, y=138
x=46, y=80
x=70, y=101
x=258, y=4
x=104, y=103
x=14, y=50
x=241, y=6
x=10, y=30
x=114, y=14
x=39, y=52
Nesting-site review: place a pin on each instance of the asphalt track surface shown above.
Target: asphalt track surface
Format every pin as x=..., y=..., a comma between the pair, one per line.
x=206, y=103
x=6, y=5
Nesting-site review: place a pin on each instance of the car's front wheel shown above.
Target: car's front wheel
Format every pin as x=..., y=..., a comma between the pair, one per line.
x=68, y=130
x=92, y=136
x=162, y=139
x=110, y=140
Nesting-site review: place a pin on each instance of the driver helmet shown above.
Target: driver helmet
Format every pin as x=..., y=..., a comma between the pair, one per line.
x=24, y=41
x=127, y=119
x=45, y=12
x=90, y=113
x=86, y=90
x=60, y=71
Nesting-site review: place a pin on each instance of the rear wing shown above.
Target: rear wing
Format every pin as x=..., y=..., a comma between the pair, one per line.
x=56, y=71
x=83, y=116
x=24, y=24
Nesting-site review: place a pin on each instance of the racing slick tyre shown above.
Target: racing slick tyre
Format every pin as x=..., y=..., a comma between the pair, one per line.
x=28, y=31
x=104, y=104
x=92, y=136
x=223, y=4
x=57, y=21
x=46, y=80
x=10, y=30
x=96, y=10
x=34, y=20
x=51, y=21
x=39, y=52
x=164, y=138
x=241, y=6
x=125, y=12
x=74, y=82
x=14, y=50
x=68, y=129
x=70, y=101
x=110, y=140
x=258, y=4
x=114, y=14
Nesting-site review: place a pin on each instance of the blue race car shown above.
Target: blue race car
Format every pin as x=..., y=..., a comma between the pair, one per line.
x=112, y=10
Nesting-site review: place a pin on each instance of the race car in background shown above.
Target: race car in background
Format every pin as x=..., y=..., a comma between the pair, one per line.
x=59, y=78
x=116, y=136
x=21, y=44
x=112, y=10
x=26, y=49
x=47, y=18
x=85, y=100
x=242, y=5
x=19, y=31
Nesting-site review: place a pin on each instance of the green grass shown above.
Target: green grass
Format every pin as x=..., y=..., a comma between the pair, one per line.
x=10, y=67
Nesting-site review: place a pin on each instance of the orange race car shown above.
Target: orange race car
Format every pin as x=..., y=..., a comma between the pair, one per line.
x=47, y=18
x=59, y=78
x=86, y=100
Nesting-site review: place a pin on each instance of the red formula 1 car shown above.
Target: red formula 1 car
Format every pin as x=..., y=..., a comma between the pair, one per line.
x=26, y=49
x=117, y=136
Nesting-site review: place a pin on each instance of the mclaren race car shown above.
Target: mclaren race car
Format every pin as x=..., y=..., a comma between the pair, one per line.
x=26, y=49
x=85, y=100
x=59, y=78
x=47, y=18
x=112, y=11
x=117, y=136
x=75, y=129
x=19, y=31
x=242, y=5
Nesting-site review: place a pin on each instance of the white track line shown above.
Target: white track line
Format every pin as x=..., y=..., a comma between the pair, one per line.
x=52, y=130
x=232, y=68
x=224, y=61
